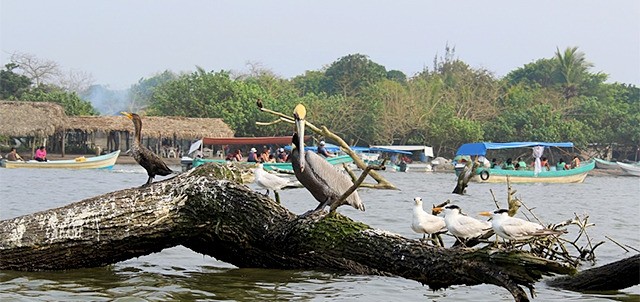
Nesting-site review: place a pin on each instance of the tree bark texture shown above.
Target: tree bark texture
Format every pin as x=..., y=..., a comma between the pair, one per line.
x=613, y=276
x=210, y=211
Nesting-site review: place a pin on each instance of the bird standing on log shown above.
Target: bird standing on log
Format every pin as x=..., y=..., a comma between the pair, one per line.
x=326, y=183
x=270, y=181
x=424, y=223
x=512, y=228
x=462, y=226
x=143, y=156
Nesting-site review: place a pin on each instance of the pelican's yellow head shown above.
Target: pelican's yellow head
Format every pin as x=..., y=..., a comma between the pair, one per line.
x=300, y=112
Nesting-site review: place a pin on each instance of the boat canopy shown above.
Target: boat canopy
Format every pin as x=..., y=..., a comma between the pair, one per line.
x=256, y=141
x=482, y=147
x=263, y=140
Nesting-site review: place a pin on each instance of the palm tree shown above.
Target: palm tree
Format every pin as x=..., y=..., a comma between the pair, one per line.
x=572, y=66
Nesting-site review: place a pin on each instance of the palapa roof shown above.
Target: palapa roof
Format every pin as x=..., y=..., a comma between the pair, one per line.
x=38, y=119
x=154, y=126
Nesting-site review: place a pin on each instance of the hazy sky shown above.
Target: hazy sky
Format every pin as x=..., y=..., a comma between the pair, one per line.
x=119, y=42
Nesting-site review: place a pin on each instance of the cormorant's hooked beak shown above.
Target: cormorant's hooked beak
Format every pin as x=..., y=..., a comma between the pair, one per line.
x=299, y=114
x=127, y=114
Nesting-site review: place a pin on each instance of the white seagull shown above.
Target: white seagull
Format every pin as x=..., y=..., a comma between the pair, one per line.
x=424, y=223
x=270, y=181
x=462, y=226
x=511, y=228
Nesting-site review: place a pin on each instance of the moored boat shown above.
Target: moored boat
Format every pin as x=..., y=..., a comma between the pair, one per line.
x=97, y=162
x=605, y=164
x=539, y=175
x=629, y=169
x=280, y=167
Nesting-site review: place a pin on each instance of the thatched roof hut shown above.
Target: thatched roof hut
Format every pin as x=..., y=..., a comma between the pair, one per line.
x=31, y=119
x=154, y=126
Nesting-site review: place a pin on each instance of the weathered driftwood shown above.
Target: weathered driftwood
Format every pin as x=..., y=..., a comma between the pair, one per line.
x=227, y=220
x=613, y=276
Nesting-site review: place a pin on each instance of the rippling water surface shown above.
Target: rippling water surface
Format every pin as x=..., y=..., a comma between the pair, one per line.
x=178, y=274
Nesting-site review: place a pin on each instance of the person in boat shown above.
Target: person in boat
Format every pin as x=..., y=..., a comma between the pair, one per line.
x=575, y=162
x=252, y=157
x=13, y=155
x=494, y=163
x=281, y=156
x=521, y=164
x=235, y=156
x=322, y=150
x=544, y=163
x=561, y=165
x=41, y=154
x=508, y=165
x=264, y=156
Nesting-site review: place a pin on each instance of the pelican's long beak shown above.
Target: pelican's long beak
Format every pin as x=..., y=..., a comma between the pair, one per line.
x=127, y=114
x=437, y=210
x=299, y=114
x=485, y=213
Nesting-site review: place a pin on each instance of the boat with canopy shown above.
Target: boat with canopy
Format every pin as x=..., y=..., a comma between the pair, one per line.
x=485, y=174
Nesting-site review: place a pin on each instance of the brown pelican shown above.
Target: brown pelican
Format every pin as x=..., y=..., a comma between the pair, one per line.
x=323, y=180
x=511, y=228
x=424, y=223
x=147, y=159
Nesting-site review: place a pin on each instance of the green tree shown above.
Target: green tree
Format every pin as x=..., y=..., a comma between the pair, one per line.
x=12, y=84
x=141, y=93
x=351, y=74
x=572, y=66
x=70, y=101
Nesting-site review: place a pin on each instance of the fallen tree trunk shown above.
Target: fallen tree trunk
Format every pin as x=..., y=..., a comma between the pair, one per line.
x=613, y=276
x=226, y=220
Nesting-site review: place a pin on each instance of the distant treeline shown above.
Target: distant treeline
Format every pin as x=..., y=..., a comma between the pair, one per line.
x=551, y=99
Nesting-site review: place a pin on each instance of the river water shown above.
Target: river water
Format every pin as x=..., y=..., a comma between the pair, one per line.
x=179, y=274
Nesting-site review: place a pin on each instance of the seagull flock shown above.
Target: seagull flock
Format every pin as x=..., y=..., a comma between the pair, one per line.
x=465, y=228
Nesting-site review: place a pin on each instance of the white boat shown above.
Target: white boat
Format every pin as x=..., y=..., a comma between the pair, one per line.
x=97, y=162
x=605, y=164
x=629, y=169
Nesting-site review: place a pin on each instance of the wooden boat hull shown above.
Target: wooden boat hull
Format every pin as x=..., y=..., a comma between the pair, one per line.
x=98, y=162
x=632, y=170
x=274, y=166
x=576, y=175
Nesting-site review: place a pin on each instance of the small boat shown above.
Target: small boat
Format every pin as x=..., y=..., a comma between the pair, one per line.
x=278, y=167
x=488, y=175
x=630, y=169
x=188, y=162
x=97, y=162
x=605, y=164
x=400, y=157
